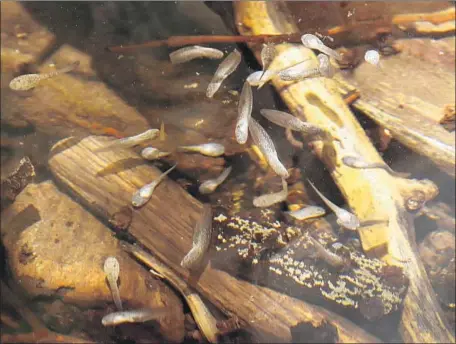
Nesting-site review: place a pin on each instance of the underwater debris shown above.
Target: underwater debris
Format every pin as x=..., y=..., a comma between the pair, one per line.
x=298, y=269
x=12, y=185
x=372, y=57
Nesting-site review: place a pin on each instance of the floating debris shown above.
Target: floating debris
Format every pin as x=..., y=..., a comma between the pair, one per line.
x=313, y=42
x=151, y=153
x=244, y=112
x=344, y=218
x=130, y=141
x=29, y=81
x=226, y=67
x=272, y=198
x=209, y=186
x=134, y=316
x=192, y=85
x=143, y=195
x=194, y=52
x=261, y=138
x=372, y=57
x=358, y=162
x=323, y=37
x=201, y=240
x=209, y=149
x=112, y=269
x=306, y=213
x=162, y=132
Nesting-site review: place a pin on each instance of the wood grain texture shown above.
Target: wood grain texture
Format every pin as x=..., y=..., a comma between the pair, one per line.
x=409, y=126
x=371, y=194
x=165, y=226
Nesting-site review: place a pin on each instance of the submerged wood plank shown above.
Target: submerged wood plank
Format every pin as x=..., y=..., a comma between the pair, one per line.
x=371, y=194
x=165, y=226
x=408, y=93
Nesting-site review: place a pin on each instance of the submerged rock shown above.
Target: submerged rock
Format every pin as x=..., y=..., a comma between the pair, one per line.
x=59, y=253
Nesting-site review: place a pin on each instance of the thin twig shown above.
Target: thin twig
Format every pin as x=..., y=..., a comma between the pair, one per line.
x=176, y=41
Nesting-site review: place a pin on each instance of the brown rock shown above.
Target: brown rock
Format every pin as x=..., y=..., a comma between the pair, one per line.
x=74, y=104
x=62, y=254
x=23, y=40
x=23, y=43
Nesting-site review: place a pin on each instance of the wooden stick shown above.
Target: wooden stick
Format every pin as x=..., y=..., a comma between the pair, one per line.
x=339, y=33
x=177, y=41
x=165, y=226
x=371, y=194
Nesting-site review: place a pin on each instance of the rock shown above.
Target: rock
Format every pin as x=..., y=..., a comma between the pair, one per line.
x=23, y=40
x=76, y=103
x=23, y=43
x=437, y=251
x=62, y=253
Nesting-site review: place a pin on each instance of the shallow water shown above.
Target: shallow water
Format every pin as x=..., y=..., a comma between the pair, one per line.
x=120, y=94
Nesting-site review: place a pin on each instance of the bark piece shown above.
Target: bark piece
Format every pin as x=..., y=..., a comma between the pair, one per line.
x=373, y=195
x=165, y=226
x=12, y=185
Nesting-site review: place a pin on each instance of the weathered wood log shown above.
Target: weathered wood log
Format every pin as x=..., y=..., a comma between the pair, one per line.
x=165, y=226
x=410, y=105
x=408, y=126
x=371, y=194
